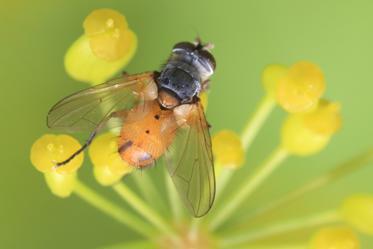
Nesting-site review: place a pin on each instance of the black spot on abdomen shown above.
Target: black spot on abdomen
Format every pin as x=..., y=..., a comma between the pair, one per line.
x=125, y=146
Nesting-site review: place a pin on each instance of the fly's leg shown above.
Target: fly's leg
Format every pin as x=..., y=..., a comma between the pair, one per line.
x=185, y=114
x=119, y=114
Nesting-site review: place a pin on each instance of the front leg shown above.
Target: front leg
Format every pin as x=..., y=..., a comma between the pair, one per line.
x=186, y=114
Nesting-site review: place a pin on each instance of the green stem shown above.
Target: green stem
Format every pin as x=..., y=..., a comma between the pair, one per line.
x=256, y=121
x=281, y=228
x=251, y=129
x=329, y=177
x=249, y=186
x=194, y=228
x=141, y=207
x=149, y=190
x=222, y=179
x=112, y=210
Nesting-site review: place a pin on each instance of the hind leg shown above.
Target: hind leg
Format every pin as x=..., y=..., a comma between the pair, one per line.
x=92, y=135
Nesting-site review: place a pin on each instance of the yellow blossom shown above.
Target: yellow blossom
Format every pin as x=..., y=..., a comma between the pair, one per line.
x=271, y=76
x=51, y=149
x=228, y=149
x=106, y=46
x=301, y=88
x=326, y=119
x=307, y=133
x=109, y=167
x=108, y=34
x=335, y=238
x=357, y=210
x=62, y=185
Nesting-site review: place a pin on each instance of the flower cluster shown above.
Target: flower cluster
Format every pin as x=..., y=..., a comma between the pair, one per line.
x=298, y=90
x=51, y=149
x=106, y=46
x=307, y=133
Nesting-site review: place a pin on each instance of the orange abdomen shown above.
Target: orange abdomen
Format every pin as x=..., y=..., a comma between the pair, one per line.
x=146, y=134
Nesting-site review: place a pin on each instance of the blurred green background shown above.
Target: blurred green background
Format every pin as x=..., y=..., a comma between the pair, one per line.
x=337, y=35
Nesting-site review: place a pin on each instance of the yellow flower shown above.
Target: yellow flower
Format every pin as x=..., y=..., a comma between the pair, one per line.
x=357, y=211
x=336, y=238
x=108, y=34
x=109, y=167
x=227, y=149
x=271, y=76
x=62, y=185
x=301, y=88
x=307, y=133
x=51, y=149
x=326, y=119
x=106, y=46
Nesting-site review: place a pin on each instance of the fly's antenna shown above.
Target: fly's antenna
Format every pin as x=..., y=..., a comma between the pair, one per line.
x=204, y=46
x=208, y=46
x=200, y=45
x=197, y=41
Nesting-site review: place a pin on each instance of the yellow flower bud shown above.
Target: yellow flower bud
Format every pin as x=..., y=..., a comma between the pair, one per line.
x=326, y=119
x=108, y=34
x=307, y=133
x=228, y=150
x=335, y=238
x=297, y=139
x=357, y=210
x=301, y=88
x=106, y=47
x=103, y=21
x=62, y=185
x=271, y=76
x=109, y=167
x=204, y=100
x=51, y=149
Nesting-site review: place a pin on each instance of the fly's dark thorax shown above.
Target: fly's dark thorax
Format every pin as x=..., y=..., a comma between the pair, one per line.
x=180, y=80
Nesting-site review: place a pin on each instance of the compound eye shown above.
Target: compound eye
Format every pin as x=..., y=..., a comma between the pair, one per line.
x=187, y=46
x=209, y=57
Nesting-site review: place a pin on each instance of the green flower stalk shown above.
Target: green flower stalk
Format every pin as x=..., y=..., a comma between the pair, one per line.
x=341, y=170
x=113, y=210
x=271, y=77
x=323, y=218
x=302, y=134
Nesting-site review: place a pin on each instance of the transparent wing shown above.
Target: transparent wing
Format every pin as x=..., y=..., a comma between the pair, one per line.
x=83, y=111
x=190, y=164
